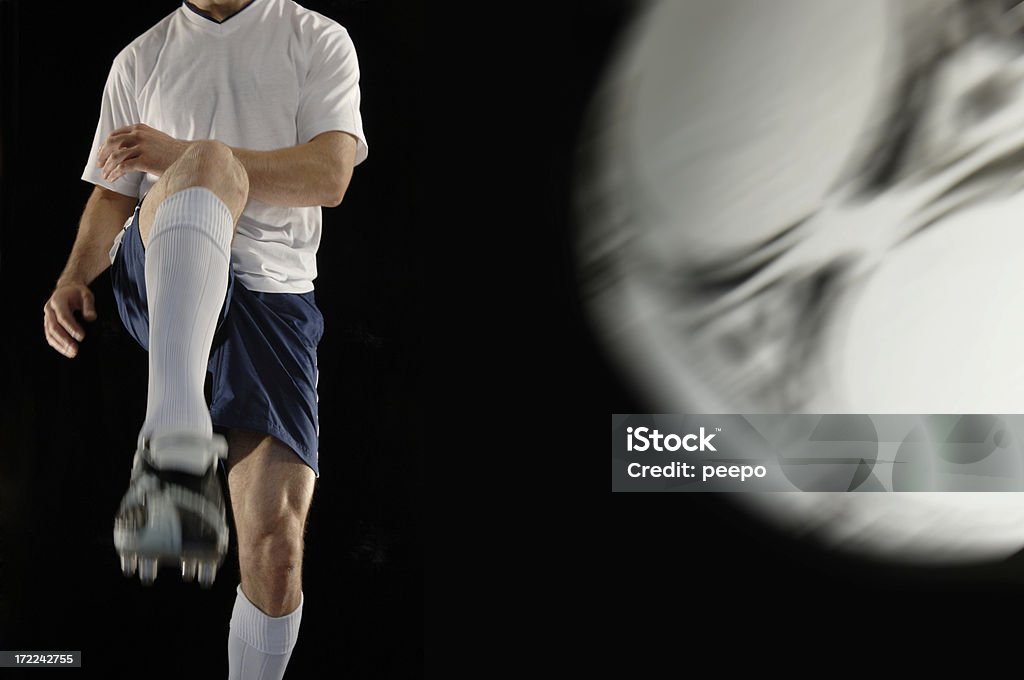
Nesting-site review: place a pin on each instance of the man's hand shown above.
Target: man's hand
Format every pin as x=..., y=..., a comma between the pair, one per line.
x=138, y=148
x=59, y=322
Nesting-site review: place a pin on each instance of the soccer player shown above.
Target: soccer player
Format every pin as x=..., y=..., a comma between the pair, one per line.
x=223, y=130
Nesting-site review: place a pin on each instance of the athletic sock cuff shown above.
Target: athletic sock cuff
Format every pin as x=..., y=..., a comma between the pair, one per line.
x=199, y=209
x=268, y=634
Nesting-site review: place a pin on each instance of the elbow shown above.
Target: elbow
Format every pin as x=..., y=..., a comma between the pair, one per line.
x=333, y=199
x=335, y=190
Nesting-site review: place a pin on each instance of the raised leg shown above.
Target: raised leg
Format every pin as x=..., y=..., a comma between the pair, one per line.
x=187, y=222
x=173, y=512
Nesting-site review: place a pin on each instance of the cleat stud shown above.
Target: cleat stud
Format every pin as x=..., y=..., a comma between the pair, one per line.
x=129, y=563
x=188, y=570
x=147, y=570
x=207, y=572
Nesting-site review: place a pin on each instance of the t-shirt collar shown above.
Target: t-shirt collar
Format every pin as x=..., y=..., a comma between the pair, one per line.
x=247, y=15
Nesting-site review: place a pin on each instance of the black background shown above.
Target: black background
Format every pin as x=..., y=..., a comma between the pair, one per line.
x=461, y=382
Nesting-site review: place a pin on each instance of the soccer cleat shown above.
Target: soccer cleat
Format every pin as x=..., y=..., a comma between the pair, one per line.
x=172, y=516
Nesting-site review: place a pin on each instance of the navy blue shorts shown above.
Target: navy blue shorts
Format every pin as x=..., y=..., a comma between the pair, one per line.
x=263, y=361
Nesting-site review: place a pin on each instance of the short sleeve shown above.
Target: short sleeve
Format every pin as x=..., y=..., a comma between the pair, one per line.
x=118, y=108
x=330, y=95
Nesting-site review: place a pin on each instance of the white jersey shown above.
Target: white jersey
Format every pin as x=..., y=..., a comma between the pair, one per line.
x=271, y=76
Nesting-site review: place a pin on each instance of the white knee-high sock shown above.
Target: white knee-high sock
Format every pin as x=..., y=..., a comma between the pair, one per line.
x=259, y=646
x=187, y=262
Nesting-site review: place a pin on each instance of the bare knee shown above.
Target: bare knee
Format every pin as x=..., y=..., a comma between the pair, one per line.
x=277, y=555
x=211, y=164
x=270, y=557
x=209, y=150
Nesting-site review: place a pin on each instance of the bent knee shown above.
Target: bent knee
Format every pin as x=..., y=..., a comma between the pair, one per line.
x=210, y=151
x=213, y=165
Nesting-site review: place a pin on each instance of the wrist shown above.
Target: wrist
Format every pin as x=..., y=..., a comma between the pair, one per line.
x=71, y=279
x=180, y=147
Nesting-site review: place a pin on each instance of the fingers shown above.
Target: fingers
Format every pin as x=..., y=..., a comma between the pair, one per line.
x=123, y=168
x=113, y=141
x=117, y=163
x=66, y=319
x=59, y=324
x=56, y=336
x=118, y=139
x=113, y=159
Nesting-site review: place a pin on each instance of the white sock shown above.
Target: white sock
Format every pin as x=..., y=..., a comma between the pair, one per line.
x=259, y=646
x=187, y=262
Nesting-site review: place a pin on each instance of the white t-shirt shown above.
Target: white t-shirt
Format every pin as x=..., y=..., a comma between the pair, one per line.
x=271, y=76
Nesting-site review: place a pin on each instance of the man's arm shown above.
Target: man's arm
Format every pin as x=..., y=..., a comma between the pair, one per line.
x=104, y=215
x=316, y=173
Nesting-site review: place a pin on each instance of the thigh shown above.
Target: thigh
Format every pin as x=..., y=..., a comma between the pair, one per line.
x=128, y=280
x=270, y=487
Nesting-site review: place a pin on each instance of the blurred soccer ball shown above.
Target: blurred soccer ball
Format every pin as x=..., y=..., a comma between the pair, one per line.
x=720, y=128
